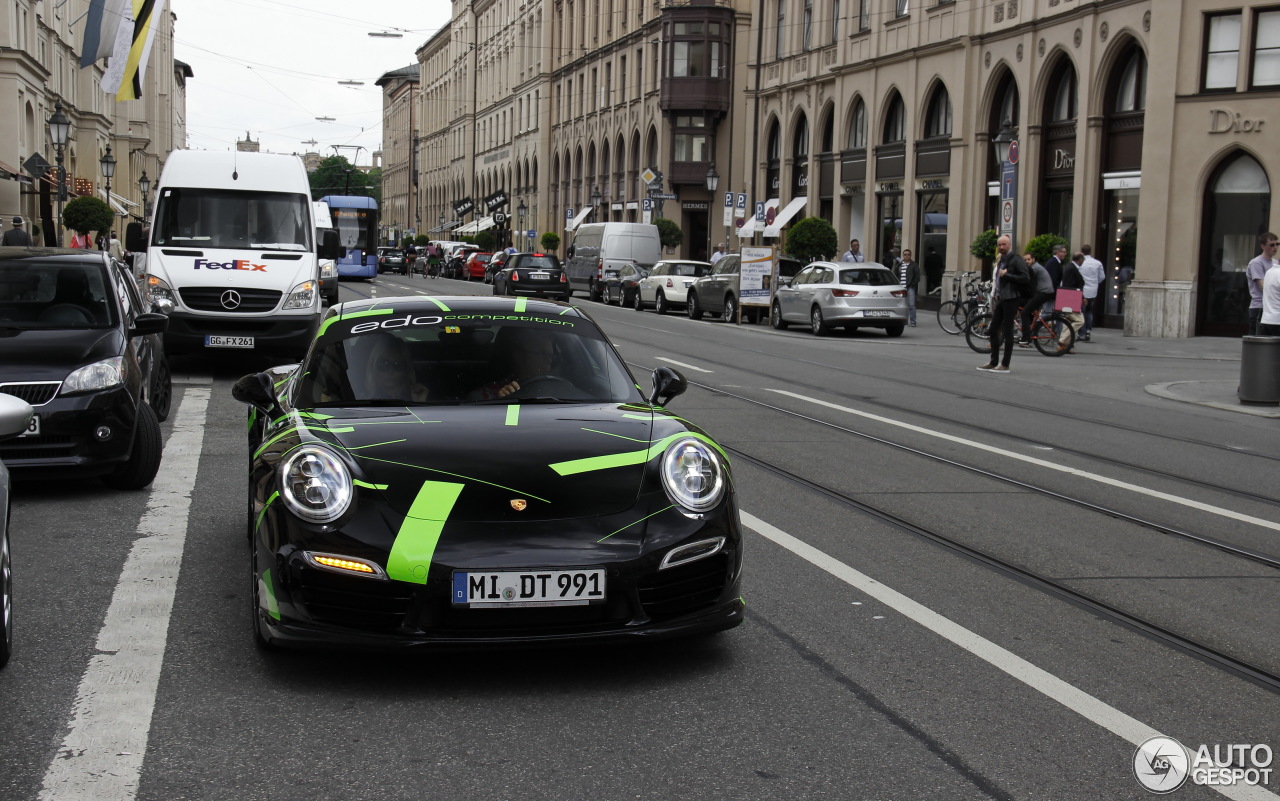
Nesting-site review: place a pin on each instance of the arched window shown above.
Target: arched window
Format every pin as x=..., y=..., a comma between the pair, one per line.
x=895, y=122
x=1062, y=95
x=773, y=149
x=858, y=128
x=938, y=118
x=800, y=150
x=1131, y=93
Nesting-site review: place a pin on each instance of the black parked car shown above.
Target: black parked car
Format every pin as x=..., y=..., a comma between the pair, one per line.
x=622, y=282
x=15, y=417
x=392, y=260
x=81, y=344
x=532, y=274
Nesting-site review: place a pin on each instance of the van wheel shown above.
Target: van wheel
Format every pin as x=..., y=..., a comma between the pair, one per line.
x=692, y=308
x=595, y=294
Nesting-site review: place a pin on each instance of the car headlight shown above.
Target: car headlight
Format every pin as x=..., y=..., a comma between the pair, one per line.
x=105, y=374
x=692, y=475
x=328, y=269
x=160, y=288
x=302, y=296
x=315, y=484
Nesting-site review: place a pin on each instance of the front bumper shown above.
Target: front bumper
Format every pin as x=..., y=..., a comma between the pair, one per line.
x=279, y=334
x=67, y=442
x=304, y=606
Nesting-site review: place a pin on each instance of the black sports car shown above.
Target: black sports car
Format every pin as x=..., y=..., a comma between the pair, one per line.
x=79, y=342
x=449, y=471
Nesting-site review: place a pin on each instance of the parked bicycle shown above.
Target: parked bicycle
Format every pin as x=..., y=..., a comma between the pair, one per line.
x=1052, y=334
x=954, y=314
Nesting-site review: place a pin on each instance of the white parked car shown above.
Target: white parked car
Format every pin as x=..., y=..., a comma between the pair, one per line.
x=667, y=285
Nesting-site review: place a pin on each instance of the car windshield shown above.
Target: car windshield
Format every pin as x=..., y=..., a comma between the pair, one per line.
x=53, y=294
x=223, y=218
x=539, y=263
x=868, y=277
x=428, y=357
x=691, y=270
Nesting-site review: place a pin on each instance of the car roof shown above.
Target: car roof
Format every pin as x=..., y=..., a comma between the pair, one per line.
x=842, y=265
x=684, y=261
x=456, y=304
x=60, y=254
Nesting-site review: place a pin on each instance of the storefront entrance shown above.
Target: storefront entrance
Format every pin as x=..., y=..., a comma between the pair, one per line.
x=1237, y=208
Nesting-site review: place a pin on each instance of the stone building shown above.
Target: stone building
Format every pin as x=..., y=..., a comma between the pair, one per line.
x=399, y=139
x=880, y=115
x=39, y=65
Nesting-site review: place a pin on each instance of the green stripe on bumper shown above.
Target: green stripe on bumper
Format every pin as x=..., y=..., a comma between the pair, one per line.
x=410, y=557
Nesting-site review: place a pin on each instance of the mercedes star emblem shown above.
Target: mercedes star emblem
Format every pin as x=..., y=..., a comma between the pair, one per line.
x=230, y=299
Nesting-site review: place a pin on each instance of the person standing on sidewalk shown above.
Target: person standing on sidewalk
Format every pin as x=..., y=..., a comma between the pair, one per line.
x=1255, y=272
x=1011, y=280
x=1056, y=263
x=854, y=253
x=1094, y=274
x=16, y=236
x=1269, y=322
x=909, y=276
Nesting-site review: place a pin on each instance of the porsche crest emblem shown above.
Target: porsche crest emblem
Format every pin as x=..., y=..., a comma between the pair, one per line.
x=519, y=504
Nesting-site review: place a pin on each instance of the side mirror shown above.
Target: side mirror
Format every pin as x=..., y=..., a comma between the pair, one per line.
x=257, y=390
x=330, y=245
x=150, y=323
x=667, y=383
x=568, y=254
x=15, y=416
x=133, y=240
x=784, y=281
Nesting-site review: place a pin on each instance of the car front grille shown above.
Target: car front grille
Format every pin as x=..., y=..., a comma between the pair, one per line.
x=46, y=447
x=36, y=393
x=354, y=602
x=684, y=589
x=210, y=298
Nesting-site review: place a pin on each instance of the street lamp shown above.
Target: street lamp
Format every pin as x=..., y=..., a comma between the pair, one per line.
x=521, y=210
x=1002, y=140
x=595, y=201
x=59, y=131
x=144, y=185
x=108, y=163
x=713, y=180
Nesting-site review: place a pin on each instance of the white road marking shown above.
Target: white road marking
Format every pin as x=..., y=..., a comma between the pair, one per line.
x=1110, y=482
x=100, y=758
x=682, y=364
x=1073, y=698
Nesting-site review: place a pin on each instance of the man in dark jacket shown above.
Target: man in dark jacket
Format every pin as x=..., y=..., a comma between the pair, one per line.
x=1012, y=281
x=16, y=236
x=1055, y=264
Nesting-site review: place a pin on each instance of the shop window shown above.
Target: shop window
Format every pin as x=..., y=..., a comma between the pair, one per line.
x=1266, y=51
x=1237, y=209
x=1222, y=52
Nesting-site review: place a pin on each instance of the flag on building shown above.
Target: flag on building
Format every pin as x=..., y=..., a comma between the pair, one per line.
x=135, y=36
x=102, y=23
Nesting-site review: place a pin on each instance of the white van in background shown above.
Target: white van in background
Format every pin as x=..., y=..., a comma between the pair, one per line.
x=232, y=245
x=599, y=246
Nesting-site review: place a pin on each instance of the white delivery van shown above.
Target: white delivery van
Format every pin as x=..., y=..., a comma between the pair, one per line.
x=232, y=244
x=599, y=246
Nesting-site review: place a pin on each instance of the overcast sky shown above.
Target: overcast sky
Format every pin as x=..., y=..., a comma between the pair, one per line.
x=270, y=67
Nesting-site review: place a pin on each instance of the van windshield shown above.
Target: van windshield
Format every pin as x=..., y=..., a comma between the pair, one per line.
x=223, y=218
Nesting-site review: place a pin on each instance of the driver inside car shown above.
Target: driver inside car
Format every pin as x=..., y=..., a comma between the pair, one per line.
x=524, y=355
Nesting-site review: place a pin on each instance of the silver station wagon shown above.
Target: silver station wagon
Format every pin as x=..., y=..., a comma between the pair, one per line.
x=826, y=295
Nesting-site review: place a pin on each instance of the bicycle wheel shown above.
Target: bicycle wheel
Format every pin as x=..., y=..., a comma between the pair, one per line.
x=977, y=334
x=951, y=316
x=1051, y=340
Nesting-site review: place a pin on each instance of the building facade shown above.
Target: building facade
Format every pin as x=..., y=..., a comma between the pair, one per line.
x=39, y=66
x=399, y=143
x=879, y=116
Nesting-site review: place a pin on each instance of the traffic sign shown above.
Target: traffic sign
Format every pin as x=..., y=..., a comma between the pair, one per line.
x=663, y=196
x=1006, y=212
x=1013, y=152
x=499, y=218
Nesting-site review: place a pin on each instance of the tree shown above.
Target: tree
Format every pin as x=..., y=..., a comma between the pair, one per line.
x=550, y=242
x=485, y=241
x=337, y=176
x=85, y=214
x=1042, y=246
x=669, y=234
x=984, y=245
x=812, y=238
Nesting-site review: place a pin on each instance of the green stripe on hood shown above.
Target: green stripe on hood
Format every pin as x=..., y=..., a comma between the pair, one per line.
x=410, y=557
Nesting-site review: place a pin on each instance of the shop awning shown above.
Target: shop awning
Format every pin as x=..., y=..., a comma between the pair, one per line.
x=784, y=217
x=469, y=228
x=13, y=174
x=484, y=224
x=120, y=204
x=576, y=221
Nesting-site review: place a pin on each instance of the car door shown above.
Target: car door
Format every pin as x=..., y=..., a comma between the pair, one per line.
x=648, y=293
x=787, y=295
x=805, y=292
x=723, y=280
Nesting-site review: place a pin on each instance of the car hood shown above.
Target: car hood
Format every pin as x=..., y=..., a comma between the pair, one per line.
x=561, y=460
x=47, y=355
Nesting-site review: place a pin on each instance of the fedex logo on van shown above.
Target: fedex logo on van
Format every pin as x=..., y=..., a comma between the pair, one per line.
x=238, y=264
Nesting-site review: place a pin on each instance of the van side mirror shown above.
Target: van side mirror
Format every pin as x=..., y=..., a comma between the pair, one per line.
x=133, y=241
x=667, y=383
x=330, y=245
x=568, y=254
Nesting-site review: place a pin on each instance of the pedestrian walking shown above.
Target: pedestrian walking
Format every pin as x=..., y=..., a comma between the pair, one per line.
x=909, y=276
x=115, y=248
x=854, y=253
x=1255, y=272
x=1094, y=274
x=1042, y=294
x=17, y=235
x=1011, y=280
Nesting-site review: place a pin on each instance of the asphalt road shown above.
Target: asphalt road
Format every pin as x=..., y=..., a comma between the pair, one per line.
x=905, y=512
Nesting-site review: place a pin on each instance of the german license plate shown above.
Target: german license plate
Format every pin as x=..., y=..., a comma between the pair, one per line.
x=539, y=276
x=876, y=314
x=33, y=428
x=494, y=590
x=215, y=341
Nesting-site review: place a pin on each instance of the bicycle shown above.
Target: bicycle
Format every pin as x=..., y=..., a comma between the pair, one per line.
x=1052, y=334
x=954, y=314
